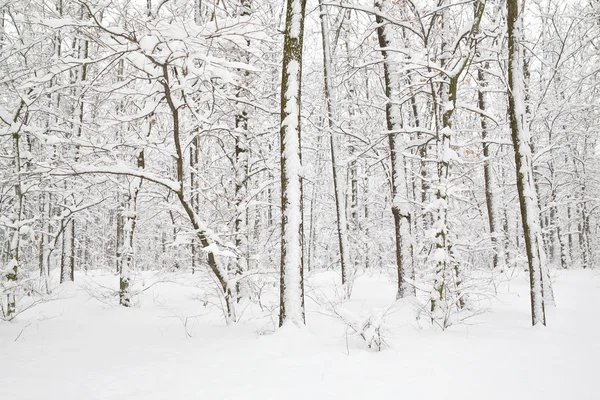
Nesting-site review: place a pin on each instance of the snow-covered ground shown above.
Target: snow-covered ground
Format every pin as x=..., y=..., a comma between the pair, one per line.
x=173, y=346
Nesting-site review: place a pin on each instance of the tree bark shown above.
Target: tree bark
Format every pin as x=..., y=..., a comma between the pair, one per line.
x=15, y=243
x=291, y=301
x=340, y=206
x=524, y=169
x=401, y=209
x=490, y=201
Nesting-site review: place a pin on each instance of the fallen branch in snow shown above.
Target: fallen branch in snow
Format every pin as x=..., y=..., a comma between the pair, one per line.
x=29, y=323
x=185, y=319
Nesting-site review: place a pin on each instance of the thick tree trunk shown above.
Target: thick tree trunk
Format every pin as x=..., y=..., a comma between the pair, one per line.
x=524, y=169
x=291, y=302
x=401, y=209
x=447, y=286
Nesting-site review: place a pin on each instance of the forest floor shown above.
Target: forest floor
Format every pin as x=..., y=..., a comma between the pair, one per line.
x=173, y=345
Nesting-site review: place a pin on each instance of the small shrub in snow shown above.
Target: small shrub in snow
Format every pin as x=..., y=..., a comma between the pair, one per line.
x=370, y=328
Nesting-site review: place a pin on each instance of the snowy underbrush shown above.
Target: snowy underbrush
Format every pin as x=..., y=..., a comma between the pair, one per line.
x=472, y=297
x=173, y=343
x=362, y=321
x=30, y=290
x=370, y=321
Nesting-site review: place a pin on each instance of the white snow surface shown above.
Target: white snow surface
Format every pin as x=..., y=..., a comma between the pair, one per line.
x=78, y=347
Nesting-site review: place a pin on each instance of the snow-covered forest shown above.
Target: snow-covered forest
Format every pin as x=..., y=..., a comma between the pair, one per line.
x=258, y=199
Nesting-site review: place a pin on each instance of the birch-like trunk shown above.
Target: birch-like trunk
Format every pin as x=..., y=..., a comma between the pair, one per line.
x=447, y=286
x=44, y=210
x=241, y=168
x=194, y=191
x=15, y=243
x=128, y=250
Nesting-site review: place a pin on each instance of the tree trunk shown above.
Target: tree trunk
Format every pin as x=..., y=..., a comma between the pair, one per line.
x=241, y=169
x=291, y=302
x=495, y=231
x=340, y=206
x=15, y=242
x=201, y=233
x=524, y=169
x=128, y=251
x=194, y=190
x=401, y=209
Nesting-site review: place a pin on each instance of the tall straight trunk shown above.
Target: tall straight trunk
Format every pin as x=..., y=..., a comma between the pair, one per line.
x=72, y=251
x=562, y=248
x=446, y=265
x=65, y=262
x=312, y=230
x=119, y=233
x=448, y=270
x=241, y=191
x=490, y=201
x=2, y=11
x=354, y=227
x=131, y=213
x=44, y=210
x=194, y=189
x=368, y=242
x=42, y=235
x=564, y=251
x=401, y=209
x=270, y=199
x=78, y=76
x=128, y=251
x=340, y=206
x=84, y=249
x=524, y=170
x=291, y=301
x=583, y=214
x=18, y=208
x=119, y=214
x=505, y=226
x=419, y=222
x=83, y=53
x=197, y=11
x=241, y=169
